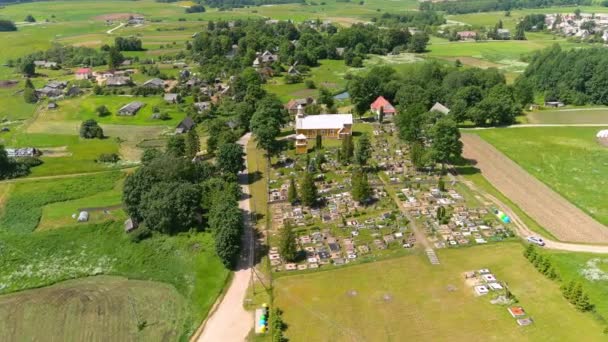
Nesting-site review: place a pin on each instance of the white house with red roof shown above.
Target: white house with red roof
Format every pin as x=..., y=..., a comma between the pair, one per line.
x=84, y=74
x=382, y=104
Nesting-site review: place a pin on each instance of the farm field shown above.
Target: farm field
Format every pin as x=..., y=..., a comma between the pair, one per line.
x=408, y=298
x=112, y=308
x=568, y=159
x=546, y=206
x=570, y=116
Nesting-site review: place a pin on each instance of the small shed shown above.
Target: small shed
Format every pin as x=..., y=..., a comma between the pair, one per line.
x=171, y=98
x=130, y=225
x=439, y=108
x=83, y=216
x=51, y=105
x=131, y=108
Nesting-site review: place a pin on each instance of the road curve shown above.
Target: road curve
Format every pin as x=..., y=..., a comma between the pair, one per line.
x=230, y=321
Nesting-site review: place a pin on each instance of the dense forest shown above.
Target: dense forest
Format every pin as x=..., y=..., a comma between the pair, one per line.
x=473, y=6
x=576, y=76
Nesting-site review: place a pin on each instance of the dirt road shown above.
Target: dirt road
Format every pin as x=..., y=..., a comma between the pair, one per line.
x=230, y=321
x=564, y=220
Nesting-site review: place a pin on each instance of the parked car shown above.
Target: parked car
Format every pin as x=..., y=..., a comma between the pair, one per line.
x=536, y=240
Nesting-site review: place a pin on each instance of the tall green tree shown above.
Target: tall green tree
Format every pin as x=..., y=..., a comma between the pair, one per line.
x=230, y=158
x=308, y=190
x=28, y=68
x=287, y=243
x=446, y=145
x=29, y=93
x=361, y=190
x=292, y=191
x=115, y=58
x=171, y=207
x=90, y=129
x=176, y=146
x=347, y=149
x=226, y=221
x=364, y=150
x=193, y=143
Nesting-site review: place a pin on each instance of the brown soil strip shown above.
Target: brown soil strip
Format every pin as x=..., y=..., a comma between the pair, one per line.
x=545, y=206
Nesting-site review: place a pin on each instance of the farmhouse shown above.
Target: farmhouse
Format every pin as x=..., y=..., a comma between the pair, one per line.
x=171, y=98
x=48, y=92
x=84, y=74
x=57, y=84
x=45, y=64
x=73, y=91
x=22, y=152
x=503, y=33
x=139, y=20
x=130, y=109
x=554, y=104
x=439, y=108
x=154, y=83
x=202, y=106
x=382, y=105
x=264, y=59
x=185, y=125
x=466, y=35
x=333, y=126
x=292, y=105
x=117, y=81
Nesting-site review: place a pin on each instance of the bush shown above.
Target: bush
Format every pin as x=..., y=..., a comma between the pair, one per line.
x=29, y=161
x=140, y=234
x=90, y=129
x=108, y=158
x=102, y=111
x=310, y=84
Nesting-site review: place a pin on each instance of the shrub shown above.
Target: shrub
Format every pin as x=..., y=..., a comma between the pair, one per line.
x=90, y=129
x=310, y=84
x=108, y=158
x=140, y=234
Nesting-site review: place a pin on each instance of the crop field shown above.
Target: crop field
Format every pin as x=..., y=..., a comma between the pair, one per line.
x=409, y=299
x=111, y=308
x=568, y=159
x=187, y=262
x=570, y=116
x=23, y=208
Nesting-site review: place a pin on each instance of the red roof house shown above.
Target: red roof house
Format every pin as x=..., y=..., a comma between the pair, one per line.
x=382, y=103
x=84, y=73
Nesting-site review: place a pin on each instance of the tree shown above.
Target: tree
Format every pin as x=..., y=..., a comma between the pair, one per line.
x=583, y=304
x=226, y=221
x=361, y=190
x=418, y=42
x=149, y=155
x=176, y=146
x=319, y=142
x=193, y=143
x=418, y=155
x=29, y=93
x=230, y=158
x=441, y=185
x=347, y=149
x=287, y=243
x=115, y=58
x=171, y=207
x=568, y=290
x=520, y=33
x=7, y=25
x=292, y=191
x=28, y=68
x=195, y=9
x=5, y=163
x=308, y=190
x=90, y=129
x=266, y=129
x=364, y=150
x=325, y=97
x=102, y=111
x=446, y=146
x=30, y=19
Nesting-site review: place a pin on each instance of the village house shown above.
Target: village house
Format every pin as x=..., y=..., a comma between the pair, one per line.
x=171, y=98
x=202, y=106
x=45, y=64
x=504, y=34
x=84, y=74
x=466, y=35
x=137, y=20
x=117, y=81
x=23, y=152
x=332, y=126
x=264, y=59
x=185, y=126
x=131, y=108
x=155, y=83
x=382, y=105
x=439, y=108
x=293, y=104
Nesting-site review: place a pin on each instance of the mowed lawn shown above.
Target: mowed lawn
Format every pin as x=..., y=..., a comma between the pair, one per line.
x=570, y=116
x=409, y=299
x=567, y=159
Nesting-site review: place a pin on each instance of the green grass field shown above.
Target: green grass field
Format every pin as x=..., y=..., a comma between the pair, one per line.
x=408, y=299
x=570, y=116
x=56, y=310
x=568, y=159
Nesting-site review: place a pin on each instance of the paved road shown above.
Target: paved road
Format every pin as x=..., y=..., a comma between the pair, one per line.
x=116, y=28
x=230, y=321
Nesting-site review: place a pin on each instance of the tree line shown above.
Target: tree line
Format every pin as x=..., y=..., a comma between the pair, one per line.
x=473, y=6
x=576, y=76
x=15, y=167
